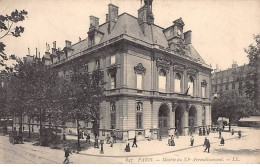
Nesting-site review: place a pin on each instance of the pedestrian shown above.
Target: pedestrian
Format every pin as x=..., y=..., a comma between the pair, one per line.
x=64, y=136
x=108, y=138
x=134, y=143
x=111, y=141
x=207, y=131
x=127, y=147
x=200, y=132
x=232, y=131
x=191, y=140
x=205, y=141
x=88, y=137
x=219, y=134
x=67, y=154
x=204, y=131
x=176, y=133
x=239, y=134
x=207, y=145
x=96, y=142
x=222, y=141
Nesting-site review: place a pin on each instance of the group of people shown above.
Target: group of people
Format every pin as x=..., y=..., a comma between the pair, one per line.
x=127, y=147
x=204, y=131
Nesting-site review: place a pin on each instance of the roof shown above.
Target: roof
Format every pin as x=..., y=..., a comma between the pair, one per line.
x=250, y=119
x=128, y=24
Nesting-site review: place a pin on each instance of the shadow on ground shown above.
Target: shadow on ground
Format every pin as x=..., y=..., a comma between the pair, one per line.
x=240, y=151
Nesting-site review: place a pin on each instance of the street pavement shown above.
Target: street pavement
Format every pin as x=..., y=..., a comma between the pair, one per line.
x=235, y=150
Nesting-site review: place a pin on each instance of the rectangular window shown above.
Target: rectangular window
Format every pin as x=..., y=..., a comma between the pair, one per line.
x=113, y=59
x=2, y=84
x=113, y=120
x=139, y=81
x=203, y=90
x=190, y=86
x=226, y=86
x=139, y=121
x=113, y=82
x=233, y=86
x=162, y=83
x=216, y=88
x=97, y=64
x=177, y=86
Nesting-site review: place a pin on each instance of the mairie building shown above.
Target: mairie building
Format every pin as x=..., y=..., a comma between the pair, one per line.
x=156, y=82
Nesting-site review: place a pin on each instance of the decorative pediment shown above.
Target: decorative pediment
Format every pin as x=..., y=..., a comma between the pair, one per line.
x=204, y=83
x=178, y=68
x=191, y=71
x=140, y=68
x=112, y=70
x=162, y=63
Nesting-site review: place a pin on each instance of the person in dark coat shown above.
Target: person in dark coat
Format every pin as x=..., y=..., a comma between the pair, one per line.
x=207, y=131
x=127, y=147
x=134, y=143
x=204, y=132
x=88, y=138
x=239, y=134
x=191, y=140
x=207, y=144
x=200, y=132
x=67, y=154
x=232, y=131
x=222, y=141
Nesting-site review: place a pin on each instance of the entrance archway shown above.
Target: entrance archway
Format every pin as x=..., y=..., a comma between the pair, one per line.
x=192, y=118
x=179, y=125
x=163, y=121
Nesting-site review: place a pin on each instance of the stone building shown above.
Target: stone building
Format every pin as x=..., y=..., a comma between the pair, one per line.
x=233, y=78
x=156, y=81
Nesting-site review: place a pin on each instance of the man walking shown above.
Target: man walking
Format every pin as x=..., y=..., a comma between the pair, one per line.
x=207, y=144
x=191, y=140
x=67, y=154
x=134, y=143
x=239, y=134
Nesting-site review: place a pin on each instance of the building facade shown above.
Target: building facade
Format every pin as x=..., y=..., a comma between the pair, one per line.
x=234, y=78
x=156, y=81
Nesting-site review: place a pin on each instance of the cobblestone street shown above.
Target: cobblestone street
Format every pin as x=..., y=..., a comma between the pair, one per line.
x=244, y=150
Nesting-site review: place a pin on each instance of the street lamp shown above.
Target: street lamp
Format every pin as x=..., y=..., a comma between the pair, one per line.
x=101, y=143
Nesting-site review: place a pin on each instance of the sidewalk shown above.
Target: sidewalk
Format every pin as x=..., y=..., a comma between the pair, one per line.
x=156, y=147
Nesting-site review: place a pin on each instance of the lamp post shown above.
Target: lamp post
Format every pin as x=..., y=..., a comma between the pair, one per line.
x=101, y=143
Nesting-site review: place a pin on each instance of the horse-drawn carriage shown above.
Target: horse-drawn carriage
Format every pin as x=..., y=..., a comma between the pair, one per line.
x=15, y=139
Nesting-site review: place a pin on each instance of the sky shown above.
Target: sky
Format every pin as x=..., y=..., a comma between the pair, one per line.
x=221, y=29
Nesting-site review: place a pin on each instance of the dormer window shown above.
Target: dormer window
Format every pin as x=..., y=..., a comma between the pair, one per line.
x=113, y=60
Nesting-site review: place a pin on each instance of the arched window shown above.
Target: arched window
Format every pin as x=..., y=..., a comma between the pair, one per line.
x=177, y=82
x=113, y=115
x=190, y=85
x=139, y=115
x=162, y=81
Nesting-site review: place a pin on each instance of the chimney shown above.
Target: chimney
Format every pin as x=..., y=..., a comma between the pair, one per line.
x=79, y=39
x=112, y=13
x=67, y=44
x=94, y=22
x=112, y=16
x=187, y=37
x=54, y=44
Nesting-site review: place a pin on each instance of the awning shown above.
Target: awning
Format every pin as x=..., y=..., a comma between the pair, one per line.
x=250, y=119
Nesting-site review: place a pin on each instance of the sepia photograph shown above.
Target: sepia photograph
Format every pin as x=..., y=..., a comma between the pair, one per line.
x=129, y=82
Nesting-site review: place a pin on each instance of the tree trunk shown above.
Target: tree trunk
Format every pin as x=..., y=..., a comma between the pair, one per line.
x=29, y=122
x=78, y=134
x=229, y=127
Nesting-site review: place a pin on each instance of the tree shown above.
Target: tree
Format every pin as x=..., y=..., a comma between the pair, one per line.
x=6, y=28
x=81, y=96
x=253, y=54
x=31, y=91
x=232, y=106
